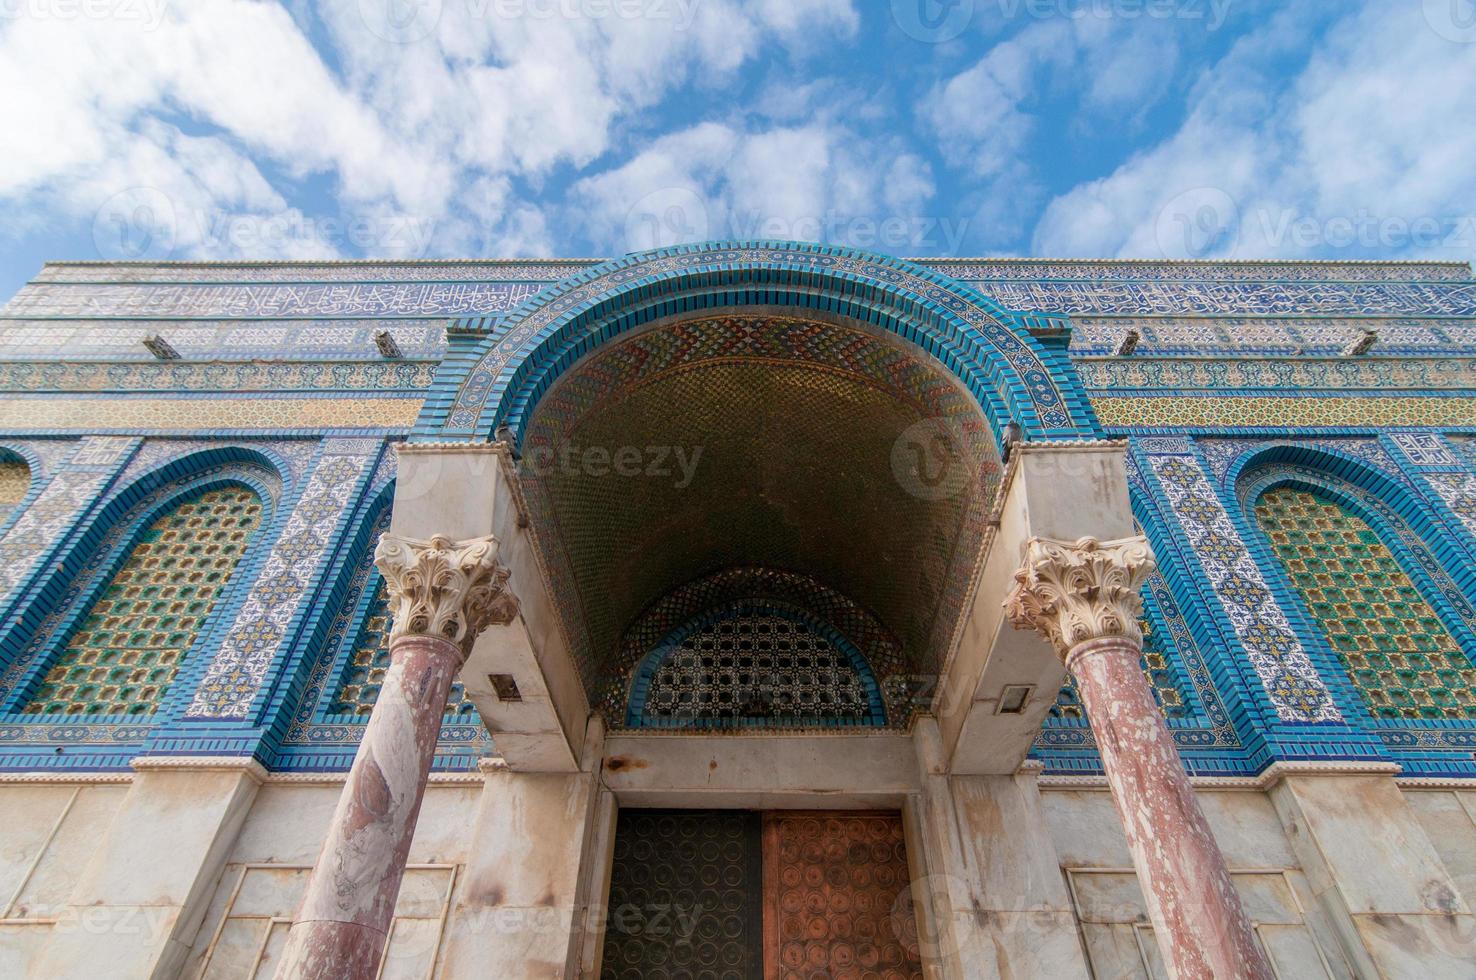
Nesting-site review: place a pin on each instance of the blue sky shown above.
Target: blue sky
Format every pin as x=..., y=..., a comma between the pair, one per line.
x=221, y=129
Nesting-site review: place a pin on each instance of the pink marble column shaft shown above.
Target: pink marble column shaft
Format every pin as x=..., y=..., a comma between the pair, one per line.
x=1197, y=916
x=340, y=930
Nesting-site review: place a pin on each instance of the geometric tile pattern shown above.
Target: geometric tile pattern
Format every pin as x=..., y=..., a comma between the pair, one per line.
x=237, y=670
x=127, y=651
x=1103, y=375
x=44, y=523
x=1017, y=370
x=1277, y=656
x=756, y=667
x=1458, y=491
x=91, y=415
x=1399, y=655
x=838, y=616
x=369, y=661
x=1157, y=669
x=1367, y=412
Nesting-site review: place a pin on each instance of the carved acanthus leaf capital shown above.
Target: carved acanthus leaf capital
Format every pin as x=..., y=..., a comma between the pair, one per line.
x=451, y=589
x=1075, y=591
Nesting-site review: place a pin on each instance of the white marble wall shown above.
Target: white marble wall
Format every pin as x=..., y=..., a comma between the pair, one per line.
x=61, y=839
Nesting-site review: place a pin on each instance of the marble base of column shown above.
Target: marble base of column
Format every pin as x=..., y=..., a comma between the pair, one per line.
x=340, y=929
x=1199, y=922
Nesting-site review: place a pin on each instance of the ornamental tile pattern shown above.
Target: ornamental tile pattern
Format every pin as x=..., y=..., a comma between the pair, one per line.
x=560, y=305
x=1222, y=454
x=468, y=270
x=1119, y=374
x=98, y=376
x=1264, y=296
x=1277, y=656
x=1400, y=657
x=1458, y=492
x=44, y=523
x=296, y=453
x=294, y=300
x=235, y=674
x=195, y=414
x=127, y=652
x=848, y=620
x=1314, y=412
x=1288, y=336
x=70, y=339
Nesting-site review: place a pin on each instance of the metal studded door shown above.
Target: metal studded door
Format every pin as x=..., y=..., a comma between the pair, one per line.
x=685, y=897
x=836, y=898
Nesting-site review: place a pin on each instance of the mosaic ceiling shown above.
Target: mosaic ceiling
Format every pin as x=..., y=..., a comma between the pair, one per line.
x=819, y=448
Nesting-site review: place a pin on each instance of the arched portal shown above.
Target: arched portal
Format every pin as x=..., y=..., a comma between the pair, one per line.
x=988, y=348
x=813, y=447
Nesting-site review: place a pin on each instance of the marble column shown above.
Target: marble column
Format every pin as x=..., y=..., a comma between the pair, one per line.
x=442, y=594
x=1083, y=596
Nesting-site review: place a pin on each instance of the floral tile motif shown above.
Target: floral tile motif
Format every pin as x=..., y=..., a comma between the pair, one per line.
x=234, y=676
x=1277, y=656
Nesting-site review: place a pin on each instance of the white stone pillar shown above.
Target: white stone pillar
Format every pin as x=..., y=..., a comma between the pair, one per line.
x=442, y=594
x=1083, y=596
x=538, y=870
x=989, y=875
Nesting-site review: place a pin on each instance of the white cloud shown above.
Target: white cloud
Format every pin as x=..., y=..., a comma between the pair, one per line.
x=815, y=182
x=452, y=120
x=1366, y=153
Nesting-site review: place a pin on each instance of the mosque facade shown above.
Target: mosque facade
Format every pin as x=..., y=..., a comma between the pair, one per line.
x=743, y=609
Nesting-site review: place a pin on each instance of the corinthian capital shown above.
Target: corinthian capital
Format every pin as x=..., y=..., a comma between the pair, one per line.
x=1074, y=591
x=445, y=588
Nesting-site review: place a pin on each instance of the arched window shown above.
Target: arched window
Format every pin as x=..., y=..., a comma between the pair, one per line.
x=1401, y=658
x=15, y=481
x=127, y=649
